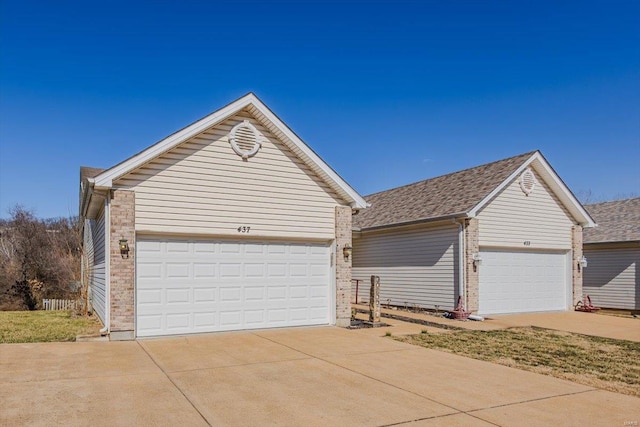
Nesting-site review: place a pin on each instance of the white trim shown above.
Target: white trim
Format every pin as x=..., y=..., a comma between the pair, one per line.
x=569, y=280
x=107, y=263
x=106, y=178
x=556, y=184
x=333, y=260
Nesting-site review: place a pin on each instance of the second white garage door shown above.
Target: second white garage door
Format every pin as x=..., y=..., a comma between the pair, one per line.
x=518, y=282
x=188, y=286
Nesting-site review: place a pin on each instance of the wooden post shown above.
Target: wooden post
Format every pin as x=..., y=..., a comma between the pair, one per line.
x=374, y=300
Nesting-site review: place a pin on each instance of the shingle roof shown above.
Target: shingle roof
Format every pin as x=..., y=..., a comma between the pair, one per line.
x=447, y=195
x=618, y=221
x=89, y=172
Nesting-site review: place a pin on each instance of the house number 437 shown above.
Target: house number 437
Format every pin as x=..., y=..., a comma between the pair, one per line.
x=243, y=229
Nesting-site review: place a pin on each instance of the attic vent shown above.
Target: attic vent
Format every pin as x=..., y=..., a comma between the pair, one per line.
x=527, y=181
x=245, y=139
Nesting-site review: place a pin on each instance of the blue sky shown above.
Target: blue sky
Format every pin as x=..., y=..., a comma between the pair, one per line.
x=387, y=93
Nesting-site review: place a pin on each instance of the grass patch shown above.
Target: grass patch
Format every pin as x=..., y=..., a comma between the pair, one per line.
x=599, y=362
x=44, y=326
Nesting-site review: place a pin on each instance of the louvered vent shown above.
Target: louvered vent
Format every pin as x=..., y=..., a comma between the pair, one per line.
x=527, y=181
x=245, y=139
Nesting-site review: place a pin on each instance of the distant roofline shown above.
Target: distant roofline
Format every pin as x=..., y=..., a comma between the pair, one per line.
x=531, y=153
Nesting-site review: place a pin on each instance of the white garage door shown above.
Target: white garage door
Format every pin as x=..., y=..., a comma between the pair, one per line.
x=517, y=282
x=187, y=286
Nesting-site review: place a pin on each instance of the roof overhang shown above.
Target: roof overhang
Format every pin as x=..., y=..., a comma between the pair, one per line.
x=105, y=180
x=614, y=244
x=551, y=178
x=92, y=200
x=452, y=217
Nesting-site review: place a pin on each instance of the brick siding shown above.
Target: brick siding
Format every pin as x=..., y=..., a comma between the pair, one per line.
x=472, y=279
x=343, y=267
x=122, y=269
x=576, y=270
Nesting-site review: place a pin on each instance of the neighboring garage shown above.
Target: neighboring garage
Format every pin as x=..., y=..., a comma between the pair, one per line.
x=230, y=223
x=505, y=236
x=612, y=278
x=519, y=281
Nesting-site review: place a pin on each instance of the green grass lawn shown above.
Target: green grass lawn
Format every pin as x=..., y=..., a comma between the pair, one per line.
x=44, y=326
x=599, y=362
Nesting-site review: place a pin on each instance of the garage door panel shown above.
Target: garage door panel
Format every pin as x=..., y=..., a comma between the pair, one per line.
x=204, y=320
x=203, y=286
x=176, y=296
x=513, y=281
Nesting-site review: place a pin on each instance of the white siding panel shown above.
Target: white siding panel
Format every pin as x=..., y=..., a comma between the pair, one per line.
x=513, y=218
x=416, y=266
x=203, y=187
x=612, y=277
x=95, y=251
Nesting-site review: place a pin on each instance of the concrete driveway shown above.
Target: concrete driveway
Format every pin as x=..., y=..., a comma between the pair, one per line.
x=302, y=376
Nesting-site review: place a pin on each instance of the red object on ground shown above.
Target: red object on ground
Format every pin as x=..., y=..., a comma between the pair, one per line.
x=586, y=305
x=460, y=313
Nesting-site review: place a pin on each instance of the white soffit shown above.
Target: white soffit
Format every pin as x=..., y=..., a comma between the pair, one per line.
x=264, y=115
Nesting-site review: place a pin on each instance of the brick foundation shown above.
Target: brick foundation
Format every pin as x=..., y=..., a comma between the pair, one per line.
x=122, y=269
x=343, y=267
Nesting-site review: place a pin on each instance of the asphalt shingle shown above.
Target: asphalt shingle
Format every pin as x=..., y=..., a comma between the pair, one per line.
x=447, y=195
x=618, y=221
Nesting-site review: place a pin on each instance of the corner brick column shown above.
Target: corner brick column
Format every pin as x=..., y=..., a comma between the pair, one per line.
x=472, y=280
x=122, y=270
x=576, y=269
x=343, y=267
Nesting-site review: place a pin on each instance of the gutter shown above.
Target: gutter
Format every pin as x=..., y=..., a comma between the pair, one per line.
x=628, y=243
x=455, y=216
x=86, y=195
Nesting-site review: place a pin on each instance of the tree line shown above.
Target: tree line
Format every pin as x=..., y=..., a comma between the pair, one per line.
x=39, y=258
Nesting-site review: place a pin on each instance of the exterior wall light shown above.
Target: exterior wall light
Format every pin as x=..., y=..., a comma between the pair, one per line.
x=347, y=250
x=124, y=248
x=477, y=259
x=583, y=262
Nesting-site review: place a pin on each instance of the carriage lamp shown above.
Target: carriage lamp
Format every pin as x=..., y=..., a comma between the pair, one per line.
x=582, y=262
x=124, y=248
x=477, y=259
x=347, y=250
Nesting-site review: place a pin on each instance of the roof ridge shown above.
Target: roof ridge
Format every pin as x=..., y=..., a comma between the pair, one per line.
x=528, y=154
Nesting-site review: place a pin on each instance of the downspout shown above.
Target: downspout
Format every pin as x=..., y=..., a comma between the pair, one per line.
x=107, y=265
x=461, y=261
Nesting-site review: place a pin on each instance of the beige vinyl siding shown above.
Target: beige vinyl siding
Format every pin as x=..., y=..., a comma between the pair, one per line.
x=204, y=187
x=95, y=252
x=513, y=218
x=612, y=278
x=415, y=265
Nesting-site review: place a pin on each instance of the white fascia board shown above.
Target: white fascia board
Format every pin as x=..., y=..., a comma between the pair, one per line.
x=357, y=201
x=474, y=212
x=105, y=179
x=563, y=193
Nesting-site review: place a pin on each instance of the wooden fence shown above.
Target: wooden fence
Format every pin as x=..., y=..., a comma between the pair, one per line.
x=61, y=304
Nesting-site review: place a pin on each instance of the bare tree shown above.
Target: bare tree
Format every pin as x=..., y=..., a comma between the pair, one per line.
x=38, y=259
